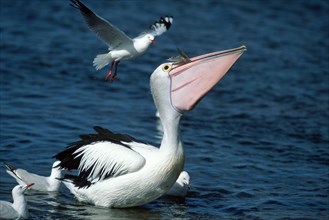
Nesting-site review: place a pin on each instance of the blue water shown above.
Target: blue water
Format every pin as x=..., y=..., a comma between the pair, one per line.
x=257, y=147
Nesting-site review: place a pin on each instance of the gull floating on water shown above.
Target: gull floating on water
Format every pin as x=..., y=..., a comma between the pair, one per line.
x=121, y=47
x=41, y=183
x=181, y=186
x=117, y=170
x=17, y=209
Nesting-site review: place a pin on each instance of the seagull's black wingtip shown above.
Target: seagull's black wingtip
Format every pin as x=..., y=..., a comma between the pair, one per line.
x=83, y=9
x=9, y=167
x=75, y=4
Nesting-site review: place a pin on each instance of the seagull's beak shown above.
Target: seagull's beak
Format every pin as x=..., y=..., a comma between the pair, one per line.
x=28, y=186
x=193, y=80
x=154, y=41
x=187, y=185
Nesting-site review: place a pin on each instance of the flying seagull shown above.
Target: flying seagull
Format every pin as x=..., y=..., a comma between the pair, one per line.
x=121, y=47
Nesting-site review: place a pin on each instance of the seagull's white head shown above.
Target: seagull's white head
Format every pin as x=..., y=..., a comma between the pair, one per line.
x=19, y=189
x=151, y=38
x=182, y=86
x=184, y=179
x=56, y=171
x=56, y=164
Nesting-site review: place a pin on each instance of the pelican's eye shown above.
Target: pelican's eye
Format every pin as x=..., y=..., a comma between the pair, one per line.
x=166, y=67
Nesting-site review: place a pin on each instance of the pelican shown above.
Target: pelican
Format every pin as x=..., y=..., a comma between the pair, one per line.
x=118, y=171
x=17, y=209
x=120, y=45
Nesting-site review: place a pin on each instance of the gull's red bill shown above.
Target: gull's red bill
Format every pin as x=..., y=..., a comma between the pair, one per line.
x=29, y=185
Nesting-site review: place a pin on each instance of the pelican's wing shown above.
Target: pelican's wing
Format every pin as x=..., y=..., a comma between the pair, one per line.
x=100, y=156
x=7, y=211
x=161, y=26
x=110, y=34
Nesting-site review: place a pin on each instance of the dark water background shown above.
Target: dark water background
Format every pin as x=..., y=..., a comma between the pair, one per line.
x=256, y=146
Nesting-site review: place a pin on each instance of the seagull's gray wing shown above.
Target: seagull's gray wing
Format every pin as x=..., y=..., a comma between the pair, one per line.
x=110, y=34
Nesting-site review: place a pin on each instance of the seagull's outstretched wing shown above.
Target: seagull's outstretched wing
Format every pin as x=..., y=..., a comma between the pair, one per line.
x=161, y=26
x=100, y=156
x=110, y=34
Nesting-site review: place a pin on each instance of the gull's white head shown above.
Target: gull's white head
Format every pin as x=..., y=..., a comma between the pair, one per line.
x=184, y=179
x=19, y=189
x=19, y=201
x=151, y=38
x=56, y=164
x=56, y=170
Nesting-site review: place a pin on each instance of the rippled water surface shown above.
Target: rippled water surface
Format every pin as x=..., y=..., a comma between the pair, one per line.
x=256, y=146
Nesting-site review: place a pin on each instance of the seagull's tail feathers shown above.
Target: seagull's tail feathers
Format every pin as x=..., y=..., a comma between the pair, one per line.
x=102, y=60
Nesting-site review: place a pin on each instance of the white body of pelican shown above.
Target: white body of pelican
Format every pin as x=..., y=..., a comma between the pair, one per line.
x=116, y=170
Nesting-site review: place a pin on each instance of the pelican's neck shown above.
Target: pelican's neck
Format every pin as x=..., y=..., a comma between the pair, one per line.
x=171, y=140
x=171, y=144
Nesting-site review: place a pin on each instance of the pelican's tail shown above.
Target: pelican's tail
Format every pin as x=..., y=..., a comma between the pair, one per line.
x=102, y=60
x=77, y=181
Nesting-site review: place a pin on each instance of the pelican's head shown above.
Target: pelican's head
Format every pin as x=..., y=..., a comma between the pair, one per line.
x=183, y=85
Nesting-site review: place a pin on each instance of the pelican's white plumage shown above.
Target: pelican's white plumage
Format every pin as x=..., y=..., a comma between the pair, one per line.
x=17, y=209
x=120, y=45
x=41, y=183
x=116, y=170
x=121, y=177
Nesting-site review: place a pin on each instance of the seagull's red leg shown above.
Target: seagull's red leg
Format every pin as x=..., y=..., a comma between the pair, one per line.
x=110, y=73
x=115, y=70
